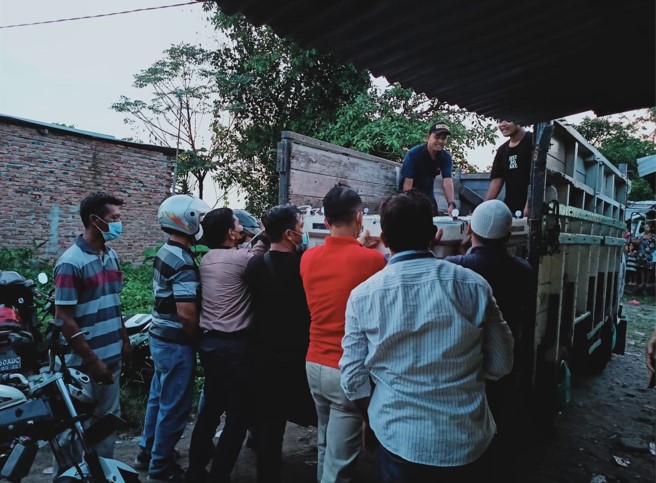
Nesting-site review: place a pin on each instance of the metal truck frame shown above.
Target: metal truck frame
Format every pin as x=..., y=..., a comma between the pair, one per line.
x=573, y=239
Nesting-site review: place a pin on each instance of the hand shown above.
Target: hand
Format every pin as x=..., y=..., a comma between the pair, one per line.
x=465, y=245
x=369, y=440
x=450, y=208
x=98, y=371
x=438, y=237
x=368, y=241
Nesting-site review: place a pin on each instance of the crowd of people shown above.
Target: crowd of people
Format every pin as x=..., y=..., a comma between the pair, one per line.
x=376, y=353
x=410, y=356
x=640, y=256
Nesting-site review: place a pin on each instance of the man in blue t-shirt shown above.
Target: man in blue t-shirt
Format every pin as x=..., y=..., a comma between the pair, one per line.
x=424, y=162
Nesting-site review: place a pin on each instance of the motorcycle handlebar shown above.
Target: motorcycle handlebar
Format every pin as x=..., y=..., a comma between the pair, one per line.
x=6, y=378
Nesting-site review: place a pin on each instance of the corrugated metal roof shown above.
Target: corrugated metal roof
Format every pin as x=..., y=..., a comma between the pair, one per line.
x=88, y=134
x=647, y=168
x=528, y=61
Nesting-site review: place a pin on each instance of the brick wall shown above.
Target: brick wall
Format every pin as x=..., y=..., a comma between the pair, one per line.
x=45, y=173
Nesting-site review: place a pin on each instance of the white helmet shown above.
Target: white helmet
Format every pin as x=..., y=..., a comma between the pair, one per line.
x=183, y=213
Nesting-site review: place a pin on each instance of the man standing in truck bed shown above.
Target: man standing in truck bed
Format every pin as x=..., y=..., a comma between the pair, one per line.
x=512, y=167
x=424, y=162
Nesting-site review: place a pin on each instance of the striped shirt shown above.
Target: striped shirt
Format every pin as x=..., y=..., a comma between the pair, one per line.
x=428, y=333
x=93, y=284
x=175, y=279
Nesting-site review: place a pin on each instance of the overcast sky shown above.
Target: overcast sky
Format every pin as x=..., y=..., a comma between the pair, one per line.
x=71, y=72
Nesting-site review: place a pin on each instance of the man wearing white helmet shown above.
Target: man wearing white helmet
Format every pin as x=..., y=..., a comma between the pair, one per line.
x=174, y=333
x=509, y=276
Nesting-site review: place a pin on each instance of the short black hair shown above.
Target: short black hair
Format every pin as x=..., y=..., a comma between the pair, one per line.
x=96, y=204
x=216, y=225
x=406, y=220
x=341, y=205
x=279, y=219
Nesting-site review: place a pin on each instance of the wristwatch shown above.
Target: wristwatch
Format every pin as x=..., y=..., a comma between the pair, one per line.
x=452, y=203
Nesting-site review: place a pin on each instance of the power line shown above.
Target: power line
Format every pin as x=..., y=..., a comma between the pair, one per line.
x=97, y=16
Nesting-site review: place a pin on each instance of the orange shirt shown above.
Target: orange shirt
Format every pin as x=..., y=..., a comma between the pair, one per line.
x=329, y=273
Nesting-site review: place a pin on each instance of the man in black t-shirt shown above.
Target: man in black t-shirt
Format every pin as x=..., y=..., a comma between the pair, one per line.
x=281, y=335
x=512, y=167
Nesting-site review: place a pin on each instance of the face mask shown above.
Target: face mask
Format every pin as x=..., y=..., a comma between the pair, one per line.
x=305, y=241
x=115, y=228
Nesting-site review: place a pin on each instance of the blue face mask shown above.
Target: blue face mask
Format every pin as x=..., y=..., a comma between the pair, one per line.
x=115, y=228
x=305, y=241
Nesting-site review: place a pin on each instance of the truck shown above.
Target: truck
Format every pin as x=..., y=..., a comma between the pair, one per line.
x=573, y=239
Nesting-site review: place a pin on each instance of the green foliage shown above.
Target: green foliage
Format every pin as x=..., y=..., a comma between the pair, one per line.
x=388, y=122
x=137, y=294
x=22, y=260
x=182, y=91
x=268, y=85
x=624, y=141
x=134, y=398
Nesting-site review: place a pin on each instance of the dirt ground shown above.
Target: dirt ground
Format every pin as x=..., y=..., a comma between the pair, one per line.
x=603, y=435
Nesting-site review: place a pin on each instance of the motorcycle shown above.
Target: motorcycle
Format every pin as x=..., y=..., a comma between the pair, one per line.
x=38, y=405
x=140, y=368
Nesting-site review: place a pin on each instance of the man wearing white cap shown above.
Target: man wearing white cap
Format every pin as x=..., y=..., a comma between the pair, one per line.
x=426, y=161
x=509, y=276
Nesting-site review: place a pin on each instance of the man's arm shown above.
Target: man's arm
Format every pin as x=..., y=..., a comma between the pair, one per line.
x=498, y=342
x=355, y=379
x=407, y=184
x=651, y=353
x=188, y=315
x=354, y=376
x=495, y=188
x=447, y=185
x=92, y=364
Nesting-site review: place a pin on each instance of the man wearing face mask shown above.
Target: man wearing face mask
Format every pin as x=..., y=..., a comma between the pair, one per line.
x=329, y=272
x=88, y=283
x=173, y=335
x=281, y=335
x=225, y=348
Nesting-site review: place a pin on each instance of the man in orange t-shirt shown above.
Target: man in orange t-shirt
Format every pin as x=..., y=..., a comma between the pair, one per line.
x=329, y=273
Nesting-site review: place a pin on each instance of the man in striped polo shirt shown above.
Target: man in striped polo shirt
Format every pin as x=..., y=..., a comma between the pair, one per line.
x=173, y=333
x=88, y=283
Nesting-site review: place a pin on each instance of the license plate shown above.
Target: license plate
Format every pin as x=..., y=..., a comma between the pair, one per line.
x=10, y=363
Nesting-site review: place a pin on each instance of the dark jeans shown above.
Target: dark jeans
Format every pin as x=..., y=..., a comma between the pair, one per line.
x=277, y=393
x=228, y=367
x=393, y=469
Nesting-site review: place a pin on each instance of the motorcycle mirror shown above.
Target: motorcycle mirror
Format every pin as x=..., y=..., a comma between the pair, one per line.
x=42, y=277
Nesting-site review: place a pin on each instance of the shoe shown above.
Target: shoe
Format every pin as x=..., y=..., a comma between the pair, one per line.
x=142, y=461
x=175, y=474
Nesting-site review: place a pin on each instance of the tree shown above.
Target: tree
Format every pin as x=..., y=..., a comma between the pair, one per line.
x=182, y=91
x=388, y=122
x=267, y=85
x=624, y=140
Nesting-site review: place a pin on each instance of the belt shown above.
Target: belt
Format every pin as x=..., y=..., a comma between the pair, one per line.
x=170, y=334
x=237, y=334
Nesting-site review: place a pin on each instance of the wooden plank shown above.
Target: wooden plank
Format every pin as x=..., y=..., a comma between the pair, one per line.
x=334, y=148
x=313, y=160
x=313, y=186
